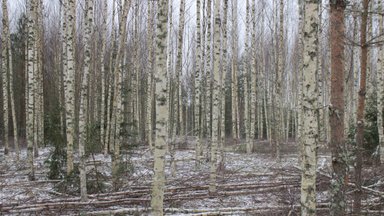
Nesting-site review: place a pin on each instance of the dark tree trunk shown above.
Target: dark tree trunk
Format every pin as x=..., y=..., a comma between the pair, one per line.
x=336, y=118
x=360, y=108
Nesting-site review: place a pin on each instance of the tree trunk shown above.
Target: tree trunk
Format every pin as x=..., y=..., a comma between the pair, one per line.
x=309, y=109
x=253, y=77
x=216, y=99
x=198, y=75
x=103, y=77
x=11, y=76
x=5, y=76
x=39, y=106
x=223, y=81
x=64, y=62
x=336, y=107
x=360, y=109
x=380, y=85
x=179, y=68
x=109, y=143
x=279, y=136
x=208, y=72
x=150, y=89
x=247, y=92
x=177, y=87
x=161, y=137
x=117, y=119
x=31, y=59
x=83, y=121
x=234, y=88
x=69, y=81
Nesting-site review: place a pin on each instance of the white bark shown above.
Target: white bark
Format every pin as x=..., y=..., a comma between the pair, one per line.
x=117, y=97
x=234, y=88
x=5, y=77
x=103, y=77
x=198, y=75
x=11, y=90
x=253, y=77
x=69, y=81
x=216, y=99
x=247, y=92
x=380, y=86
x=309, y=109
x=83, y=121
x=150, y=89
x=161, y=110
x=31, y=59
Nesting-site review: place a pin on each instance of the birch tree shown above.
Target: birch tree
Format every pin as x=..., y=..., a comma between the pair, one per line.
x=177, y=95
x=31, y=59
x=234, y=87
x=83, y=121
x=158, y=184
x=336, y=107
x=198, y=75
x=380, y=85
x=69, y=81
x=247, y=110
x=309, y=109
x=216, y=99
x=11, y=77
x=117, y=118
x=253, y=76
x=103, y=76
x=279, y=82
x=179, y=67
x=150, y=89
x=39, y=91
x=5, y=81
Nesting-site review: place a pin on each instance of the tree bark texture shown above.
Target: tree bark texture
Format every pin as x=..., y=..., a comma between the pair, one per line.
x=336, y=107
x=310, y=110
x=360, y=109
x=161, y=137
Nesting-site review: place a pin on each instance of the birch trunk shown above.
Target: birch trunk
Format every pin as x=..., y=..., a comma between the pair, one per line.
x=309, y=109
x=135, y=74
x=11, y=76
x=83, y=121
x=179, y=68
x=69, y=85
x=247, y=76
x=5, y=77
x=336, y=107
x=158, y=186
x=222, y=83
x=234, y=88
x=31, y=59
x=64, y=62
x=103, y=75
x=279, y=95
x=253, y=78
x=216, y=99
x=360, y=108
x=117, y=119
x=380, y=85
x=150, y=88
x=177, y=87
x=208, y=75
x=39, y=71
x=108, y=137
x=299, y=77
x=198, y=75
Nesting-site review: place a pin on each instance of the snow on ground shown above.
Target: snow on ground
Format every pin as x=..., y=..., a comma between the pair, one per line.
x=248, y=181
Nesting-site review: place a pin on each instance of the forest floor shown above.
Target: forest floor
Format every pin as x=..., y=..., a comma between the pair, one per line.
x=248, y=184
